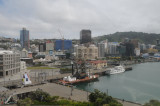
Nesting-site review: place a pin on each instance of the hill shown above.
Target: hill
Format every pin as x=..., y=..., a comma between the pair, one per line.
x=147, y=38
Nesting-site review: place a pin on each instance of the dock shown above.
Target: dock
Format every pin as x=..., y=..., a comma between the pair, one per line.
x=128, y=68
x=49, y=75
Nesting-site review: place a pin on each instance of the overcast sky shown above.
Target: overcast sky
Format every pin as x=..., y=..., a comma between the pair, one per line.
x=43, y=18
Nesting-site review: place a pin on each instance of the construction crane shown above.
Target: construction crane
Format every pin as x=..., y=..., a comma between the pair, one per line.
x=62, y=46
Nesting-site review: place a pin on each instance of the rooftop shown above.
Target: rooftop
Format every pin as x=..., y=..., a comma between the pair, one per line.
x=6, y=52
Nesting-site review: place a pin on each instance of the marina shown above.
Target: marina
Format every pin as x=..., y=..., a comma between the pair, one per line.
x=139, y=85
x=118, y=85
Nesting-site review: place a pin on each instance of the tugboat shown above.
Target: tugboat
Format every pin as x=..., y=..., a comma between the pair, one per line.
x=79, y=76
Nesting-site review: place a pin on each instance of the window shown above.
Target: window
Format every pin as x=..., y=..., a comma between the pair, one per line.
x=6, y=72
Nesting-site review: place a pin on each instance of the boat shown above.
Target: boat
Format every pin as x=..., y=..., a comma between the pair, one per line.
x=115, y=70
x=73, y=80
x=79, y=75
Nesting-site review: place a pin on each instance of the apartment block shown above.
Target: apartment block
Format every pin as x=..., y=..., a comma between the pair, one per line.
x=83, y=52
x=9, y=63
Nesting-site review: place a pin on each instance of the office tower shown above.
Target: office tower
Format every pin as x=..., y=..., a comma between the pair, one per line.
x=101, y=50
x=24, y=38
x=85, y=36
x=112, y=47
x=158, y=42
x=42, y=47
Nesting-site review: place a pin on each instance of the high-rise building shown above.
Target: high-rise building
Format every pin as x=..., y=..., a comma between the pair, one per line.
x=49, y=48
x=105, y=42
x=130, y=49
x=142, y=47
x=42, y=47
x=24, y=38
x=158, y=42
x=158, y=45
x=63, y=44
x=112, y=47
x=121, y=49
x=85, y=36
x=101, y=50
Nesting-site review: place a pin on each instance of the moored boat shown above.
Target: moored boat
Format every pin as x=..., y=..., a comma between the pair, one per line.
x=115, y=70
x=73, y=80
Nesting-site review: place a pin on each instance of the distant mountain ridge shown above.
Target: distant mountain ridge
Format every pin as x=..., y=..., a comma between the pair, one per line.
x=146, y=38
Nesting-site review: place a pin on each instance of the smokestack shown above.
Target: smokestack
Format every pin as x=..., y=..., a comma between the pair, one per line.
x=157, y=41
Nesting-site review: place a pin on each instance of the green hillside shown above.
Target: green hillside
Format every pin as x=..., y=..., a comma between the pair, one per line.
x=147, y=38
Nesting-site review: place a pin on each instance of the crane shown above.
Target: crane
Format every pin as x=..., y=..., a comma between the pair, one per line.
x=62, y=46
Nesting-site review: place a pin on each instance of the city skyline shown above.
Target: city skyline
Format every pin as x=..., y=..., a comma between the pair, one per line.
x=44, y=18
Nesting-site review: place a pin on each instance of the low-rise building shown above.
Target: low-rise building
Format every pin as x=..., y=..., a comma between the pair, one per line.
x=98, y=64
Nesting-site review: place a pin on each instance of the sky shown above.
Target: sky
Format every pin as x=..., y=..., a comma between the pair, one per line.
x=45, y=18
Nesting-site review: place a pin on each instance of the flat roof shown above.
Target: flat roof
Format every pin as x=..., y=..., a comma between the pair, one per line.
x=7, y=52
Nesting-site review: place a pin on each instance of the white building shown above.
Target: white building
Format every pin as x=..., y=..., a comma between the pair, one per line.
x=137, y=51
x=9, y=63
x=23, y=66
x=49, y=48
x=105, y=45
x=24, y=53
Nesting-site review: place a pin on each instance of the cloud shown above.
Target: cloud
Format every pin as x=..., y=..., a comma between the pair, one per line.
x=43, y=18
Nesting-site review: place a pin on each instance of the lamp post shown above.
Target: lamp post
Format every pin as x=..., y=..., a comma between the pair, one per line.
x=71, y=90
x=87, y=90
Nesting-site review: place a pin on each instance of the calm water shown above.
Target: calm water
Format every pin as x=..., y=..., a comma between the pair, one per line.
x=139, y=85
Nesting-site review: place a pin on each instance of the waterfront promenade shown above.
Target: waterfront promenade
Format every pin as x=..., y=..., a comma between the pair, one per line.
x=60, y=90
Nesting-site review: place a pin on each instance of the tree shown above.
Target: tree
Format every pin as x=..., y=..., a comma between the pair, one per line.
x=153, y=103
x=25, y=102
x=39, y=95
x=100, y=98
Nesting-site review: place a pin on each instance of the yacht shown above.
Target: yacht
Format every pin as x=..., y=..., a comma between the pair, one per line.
x=115, y=70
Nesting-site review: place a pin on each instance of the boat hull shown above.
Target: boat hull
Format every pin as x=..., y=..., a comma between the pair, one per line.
x=79, y=80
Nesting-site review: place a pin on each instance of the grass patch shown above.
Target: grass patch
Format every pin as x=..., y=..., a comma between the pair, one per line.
x=31, y=68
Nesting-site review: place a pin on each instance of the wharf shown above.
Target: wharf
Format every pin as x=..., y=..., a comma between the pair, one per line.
x=48, y=75
x=128, y=68
x=62, y=91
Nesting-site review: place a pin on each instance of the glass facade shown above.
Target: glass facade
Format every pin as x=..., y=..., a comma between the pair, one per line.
x=24, y=38
x=63, y=44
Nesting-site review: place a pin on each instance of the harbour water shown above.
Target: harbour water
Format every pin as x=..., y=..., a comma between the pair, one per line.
x=139, y=85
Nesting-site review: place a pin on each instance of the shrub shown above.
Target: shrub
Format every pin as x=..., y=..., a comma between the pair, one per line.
x=153, y=103
x=100, y=98
x=25, y=102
